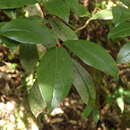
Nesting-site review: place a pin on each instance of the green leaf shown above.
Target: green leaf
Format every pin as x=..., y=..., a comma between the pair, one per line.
x=58, y=8
x=127, y=100
x=77, y=8
x=126, y=2
x=55, y=76
x=2, y=24
x=103, y=14
x=120, y=31
x=10, y=43
x=120, y=14
x=28, y=57
x=62, y=31
x=95, y=114
x=36, y=102
x=124, y=54
x=87, y=111
x=127, y=93
x=27, y=31
x=84, y=84
x=93, y=55
x=7, y=4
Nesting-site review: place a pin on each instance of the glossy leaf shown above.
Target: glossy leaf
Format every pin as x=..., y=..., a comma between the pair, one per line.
x=62, y=31
x=55, y=76
x=124, y=54
x=77, y=8
x=58, y=8
x=28, y=57
x=8, y=4
x=103, y=14
x=120, y=31
x=84, y=84
x=93, y=55
x=27, y=31
x=36, y=102
x=120, y=14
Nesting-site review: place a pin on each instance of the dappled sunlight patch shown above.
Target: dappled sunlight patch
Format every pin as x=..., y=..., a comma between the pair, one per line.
x=14, y=116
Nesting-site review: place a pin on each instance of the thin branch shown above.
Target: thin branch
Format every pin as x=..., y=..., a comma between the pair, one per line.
x=42, y=10
x=84, y=26
x=88, y=21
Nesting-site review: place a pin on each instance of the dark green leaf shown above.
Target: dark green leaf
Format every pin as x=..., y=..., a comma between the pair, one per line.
x=120, y=31
x=2, y=24
x=95, y=114
x=10, y=43
x=84, y=84
x=58, y=8
x=28, y=57
x=27, y=31
x=127, y=93
x=93, y=55
x=7, y=4
x=126, y=2
x=62, y=31
x=55, y=76
x=36, y=102
x=120, y=14
x=127, y=100
x=124, y=54
x=87, y=111
x=77, y=8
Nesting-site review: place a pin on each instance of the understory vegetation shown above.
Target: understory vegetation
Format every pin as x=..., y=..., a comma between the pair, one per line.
x=64, y=64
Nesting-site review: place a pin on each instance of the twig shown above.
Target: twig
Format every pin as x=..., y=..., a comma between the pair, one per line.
x=42, y=10
x=84, y=26
x=87, y=22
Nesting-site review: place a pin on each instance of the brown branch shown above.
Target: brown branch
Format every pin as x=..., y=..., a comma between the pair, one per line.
x=84, y=26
